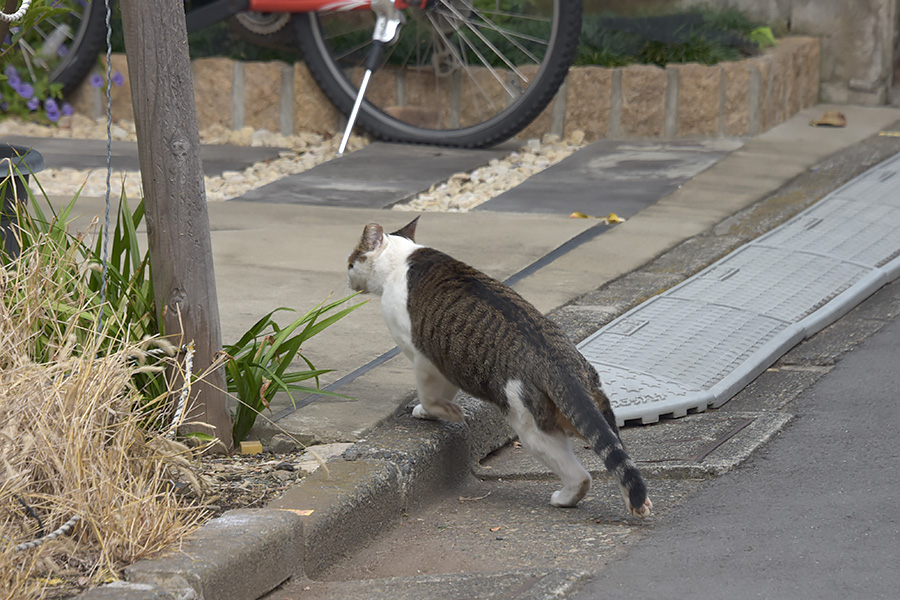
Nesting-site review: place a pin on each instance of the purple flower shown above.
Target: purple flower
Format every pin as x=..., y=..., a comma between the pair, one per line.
x=67, y=109
x=62, y=51
x=118, y=78
x=96, y=80
x=33, y=103
x=25, y=90
x=13, y=76
x=52, y=109
x=3, y=106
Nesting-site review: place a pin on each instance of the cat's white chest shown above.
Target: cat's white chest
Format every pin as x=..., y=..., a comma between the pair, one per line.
x=395, y=311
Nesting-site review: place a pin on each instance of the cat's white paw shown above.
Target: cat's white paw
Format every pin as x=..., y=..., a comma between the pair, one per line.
x=561, y=500
x=419, y=412
x=570, y=497
x=644, y=510
x=447, y=411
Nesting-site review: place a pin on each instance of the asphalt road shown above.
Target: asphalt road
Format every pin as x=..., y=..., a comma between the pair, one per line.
x=812, y=515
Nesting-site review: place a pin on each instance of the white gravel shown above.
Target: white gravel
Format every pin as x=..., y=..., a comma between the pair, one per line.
x=460, y=193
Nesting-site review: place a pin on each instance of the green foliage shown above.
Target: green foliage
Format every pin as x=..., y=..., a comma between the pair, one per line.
x=25, y=87
x=762, y=37
x=39, y=11
x=257, y=364
x=256, y=367
x=697, y=50
x=706, y=36
x=128, y=313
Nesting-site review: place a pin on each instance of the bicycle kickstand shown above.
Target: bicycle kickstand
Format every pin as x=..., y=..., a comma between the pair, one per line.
x=387, y=24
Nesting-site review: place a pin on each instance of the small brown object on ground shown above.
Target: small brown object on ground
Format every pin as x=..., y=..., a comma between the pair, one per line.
x=831, y=118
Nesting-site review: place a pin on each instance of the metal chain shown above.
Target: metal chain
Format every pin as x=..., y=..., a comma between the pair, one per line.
x=105, y=250
x=16, y=15
x=188, y=349
x=64, y=529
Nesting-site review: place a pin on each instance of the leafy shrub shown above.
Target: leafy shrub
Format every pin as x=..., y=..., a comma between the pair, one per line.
x=256, y=367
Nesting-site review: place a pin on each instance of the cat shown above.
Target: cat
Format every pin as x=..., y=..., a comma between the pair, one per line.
x=464, y=330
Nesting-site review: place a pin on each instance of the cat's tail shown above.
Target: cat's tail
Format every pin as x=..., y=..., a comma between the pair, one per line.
x=582, y=410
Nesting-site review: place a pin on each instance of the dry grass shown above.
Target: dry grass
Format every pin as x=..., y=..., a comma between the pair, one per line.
x=71, y=439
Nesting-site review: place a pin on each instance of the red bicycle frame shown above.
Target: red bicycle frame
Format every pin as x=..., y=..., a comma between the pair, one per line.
x=304, y=6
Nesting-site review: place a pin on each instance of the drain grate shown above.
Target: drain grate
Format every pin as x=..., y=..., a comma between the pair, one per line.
x=697, y=344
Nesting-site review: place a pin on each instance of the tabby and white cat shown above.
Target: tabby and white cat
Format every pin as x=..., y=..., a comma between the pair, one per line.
x=464, y=330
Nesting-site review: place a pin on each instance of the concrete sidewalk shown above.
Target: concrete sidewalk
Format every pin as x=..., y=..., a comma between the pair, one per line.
x=290, y=252
x=302, y=260
x=270, y=254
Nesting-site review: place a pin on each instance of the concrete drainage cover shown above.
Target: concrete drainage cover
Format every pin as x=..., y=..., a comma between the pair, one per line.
x=699, y=343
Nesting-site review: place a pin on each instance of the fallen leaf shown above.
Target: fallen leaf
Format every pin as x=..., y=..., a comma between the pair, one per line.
x=473, y=499
x=299, y=512
x=831, y=118
x=495, y=529
x=612, y=218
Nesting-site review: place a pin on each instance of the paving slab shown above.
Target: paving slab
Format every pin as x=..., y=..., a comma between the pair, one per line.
x=609, y=176
x=68, y=153
x=270, y=254
x=376, y=176
x=735, y=182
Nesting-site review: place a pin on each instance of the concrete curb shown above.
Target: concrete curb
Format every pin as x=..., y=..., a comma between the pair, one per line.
x=248, y=552
x=400, y=465
x=242, y=554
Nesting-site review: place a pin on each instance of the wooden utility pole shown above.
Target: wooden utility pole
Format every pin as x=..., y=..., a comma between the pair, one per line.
x=165, y=116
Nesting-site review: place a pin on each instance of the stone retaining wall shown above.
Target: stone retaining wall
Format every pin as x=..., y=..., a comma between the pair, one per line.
x=640, y=101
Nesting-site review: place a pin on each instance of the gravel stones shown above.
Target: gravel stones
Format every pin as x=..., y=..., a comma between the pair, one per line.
x=462, y=192
x=306, y=150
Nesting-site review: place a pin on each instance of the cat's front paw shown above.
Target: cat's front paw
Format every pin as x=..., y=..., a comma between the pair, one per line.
x=561, y=499
x=419, y=412
x=446, y=410
x=571, y=495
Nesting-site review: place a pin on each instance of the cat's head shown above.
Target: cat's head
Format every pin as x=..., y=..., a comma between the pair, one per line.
x=377, y=254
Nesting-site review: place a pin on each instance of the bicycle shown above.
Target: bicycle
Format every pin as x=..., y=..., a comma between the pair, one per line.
x=467, y=73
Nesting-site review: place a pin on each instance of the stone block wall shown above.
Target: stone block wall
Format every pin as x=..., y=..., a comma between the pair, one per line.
x=859, y=39
x=639, y=101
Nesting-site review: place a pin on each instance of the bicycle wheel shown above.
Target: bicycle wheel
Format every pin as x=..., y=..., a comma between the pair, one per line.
x=65, y=47
x=469, y=73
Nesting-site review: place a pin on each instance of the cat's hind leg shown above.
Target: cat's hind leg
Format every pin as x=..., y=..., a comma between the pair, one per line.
x=552, y=448
x=435, y=393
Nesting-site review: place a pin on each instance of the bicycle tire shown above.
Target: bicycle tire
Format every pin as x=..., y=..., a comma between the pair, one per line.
x=445, y=116
x=86, y=44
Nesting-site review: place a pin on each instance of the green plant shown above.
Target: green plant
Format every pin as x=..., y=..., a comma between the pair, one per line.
x=25, y=88
x=706, y=36
x=128, y=312
x=257, y=364
x=762, y=37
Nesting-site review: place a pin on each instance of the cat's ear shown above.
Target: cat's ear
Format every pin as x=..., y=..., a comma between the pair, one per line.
x=372, y=237
x=408, y=231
